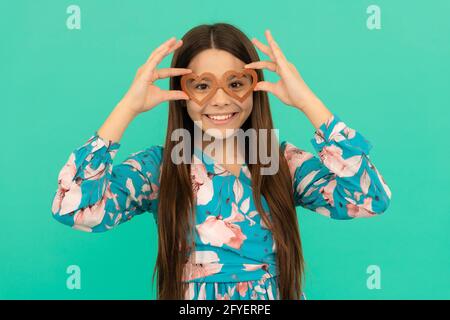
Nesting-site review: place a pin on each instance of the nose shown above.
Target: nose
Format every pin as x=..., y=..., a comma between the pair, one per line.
x=220, y=98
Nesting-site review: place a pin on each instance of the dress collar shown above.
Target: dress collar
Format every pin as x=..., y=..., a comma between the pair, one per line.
x=214, y=168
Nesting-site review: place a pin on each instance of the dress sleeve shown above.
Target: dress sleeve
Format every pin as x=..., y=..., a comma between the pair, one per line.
x=94, y=195
x=342, y=182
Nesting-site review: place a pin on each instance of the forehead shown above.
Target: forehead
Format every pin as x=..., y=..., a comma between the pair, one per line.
x=215, y=61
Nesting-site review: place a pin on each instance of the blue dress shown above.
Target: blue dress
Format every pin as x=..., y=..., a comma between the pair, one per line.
x=235, y=255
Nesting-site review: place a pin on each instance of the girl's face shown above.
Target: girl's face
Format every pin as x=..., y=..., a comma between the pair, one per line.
x=222, y=111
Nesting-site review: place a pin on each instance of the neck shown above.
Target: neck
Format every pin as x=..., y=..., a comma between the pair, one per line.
x=224, y=151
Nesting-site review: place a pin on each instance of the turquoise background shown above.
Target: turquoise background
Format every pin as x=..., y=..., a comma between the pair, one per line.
x=59, y=85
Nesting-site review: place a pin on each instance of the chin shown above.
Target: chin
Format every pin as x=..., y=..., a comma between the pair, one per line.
x=220, y=133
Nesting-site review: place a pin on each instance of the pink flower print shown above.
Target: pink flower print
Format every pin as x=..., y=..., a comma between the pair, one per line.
x=327, y=191
x=132, y=193
x=270, y=292
x=201, y=264
x=259, y=289
x=235, y=216
x=323, y=211
x=365, y=182
x=246, y=171
x=217, y=232
x=67, y=173
x=383, y=183
x=238, y=238
x=236, y=241
x=155, y=192
x=227, y=295
x=295, y=157
x=135, y=164
x=190, y=291
x=202, y=292
x=242, y=288
x=331, y=157
x=349, y=132
x=253, y=267
x=154, y=188
x=68, y=194
x=238, y=190
x=361, y=210
x=87, y=218
x=114, y=197
x=336, y=134
x=214, y=231
x=202, y=185
x=306, y=181
x=340, y=132
x=94, y=174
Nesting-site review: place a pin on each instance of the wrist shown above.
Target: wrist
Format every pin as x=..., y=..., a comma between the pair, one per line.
x=126, y=109
x=309, y=104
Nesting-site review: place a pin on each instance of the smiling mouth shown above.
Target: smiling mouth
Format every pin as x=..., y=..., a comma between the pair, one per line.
x=221, y=118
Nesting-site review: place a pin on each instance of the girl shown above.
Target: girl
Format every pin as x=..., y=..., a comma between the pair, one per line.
x=225, y=230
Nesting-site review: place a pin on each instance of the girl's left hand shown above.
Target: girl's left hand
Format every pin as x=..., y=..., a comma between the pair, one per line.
x=290, y=89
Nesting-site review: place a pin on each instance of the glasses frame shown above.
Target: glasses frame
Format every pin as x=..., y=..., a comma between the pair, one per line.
x=219, y=83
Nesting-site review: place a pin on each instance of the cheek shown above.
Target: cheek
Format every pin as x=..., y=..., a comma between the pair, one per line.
x=247, y=107
x=194, y=110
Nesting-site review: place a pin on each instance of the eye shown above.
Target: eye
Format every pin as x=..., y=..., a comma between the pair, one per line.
x=201, y=86
x=236, y=84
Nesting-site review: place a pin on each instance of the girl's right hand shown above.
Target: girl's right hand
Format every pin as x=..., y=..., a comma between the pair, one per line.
x=143, y=95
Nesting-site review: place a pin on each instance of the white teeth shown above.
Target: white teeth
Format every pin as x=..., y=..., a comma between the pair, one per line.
x=220, y=117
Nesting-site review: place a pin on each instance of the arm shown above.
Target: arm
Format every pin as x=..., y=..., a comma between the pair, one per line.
x=342, y=182
x=95, y=196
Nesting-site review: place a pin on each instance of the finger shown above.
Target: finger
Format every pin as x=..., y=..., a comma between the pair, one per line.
x=278, y=54
x=265, y=49
x=170, y=72
x=265, y=86
x=162, y=46
x=174, y=95
x=159, y=54
x=270, y=65
x=175, y=46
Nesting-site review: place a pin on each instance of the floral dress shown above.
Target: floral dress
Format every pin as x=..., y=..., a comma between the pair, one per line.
x=235, y=255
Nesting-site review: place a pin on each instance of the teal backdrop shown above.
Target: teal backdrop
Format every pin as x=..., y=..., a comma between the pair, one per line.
x=392, y=84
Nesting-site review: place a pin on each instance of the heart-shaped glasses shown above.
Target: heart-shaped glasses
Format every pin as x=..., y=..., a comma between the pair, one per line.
x=238, y=84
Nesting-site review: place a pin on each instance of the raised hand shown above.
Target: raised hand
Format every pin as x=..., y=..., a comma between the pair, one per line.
x=143, y=94
x=291, y=89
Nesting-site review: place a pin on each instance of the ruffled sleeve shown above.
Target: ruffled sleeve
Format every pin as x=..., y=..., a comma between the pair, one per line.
x=341, y=182
x=94, y=195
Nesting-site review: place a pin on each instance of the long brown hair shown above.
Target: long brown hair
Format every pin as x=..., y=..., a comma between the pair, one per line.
x=176, y=209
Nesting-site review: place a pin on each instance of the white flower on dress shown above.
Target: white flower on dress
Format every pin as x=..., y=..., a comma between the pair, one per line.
x=331, y=157
x=201, y=264
x=202, y=185
x=217, y=231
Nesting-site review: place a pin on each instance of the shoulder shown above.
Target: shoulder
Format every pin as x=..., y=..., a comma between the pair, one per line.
x=294, y=156
x=289, y=150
